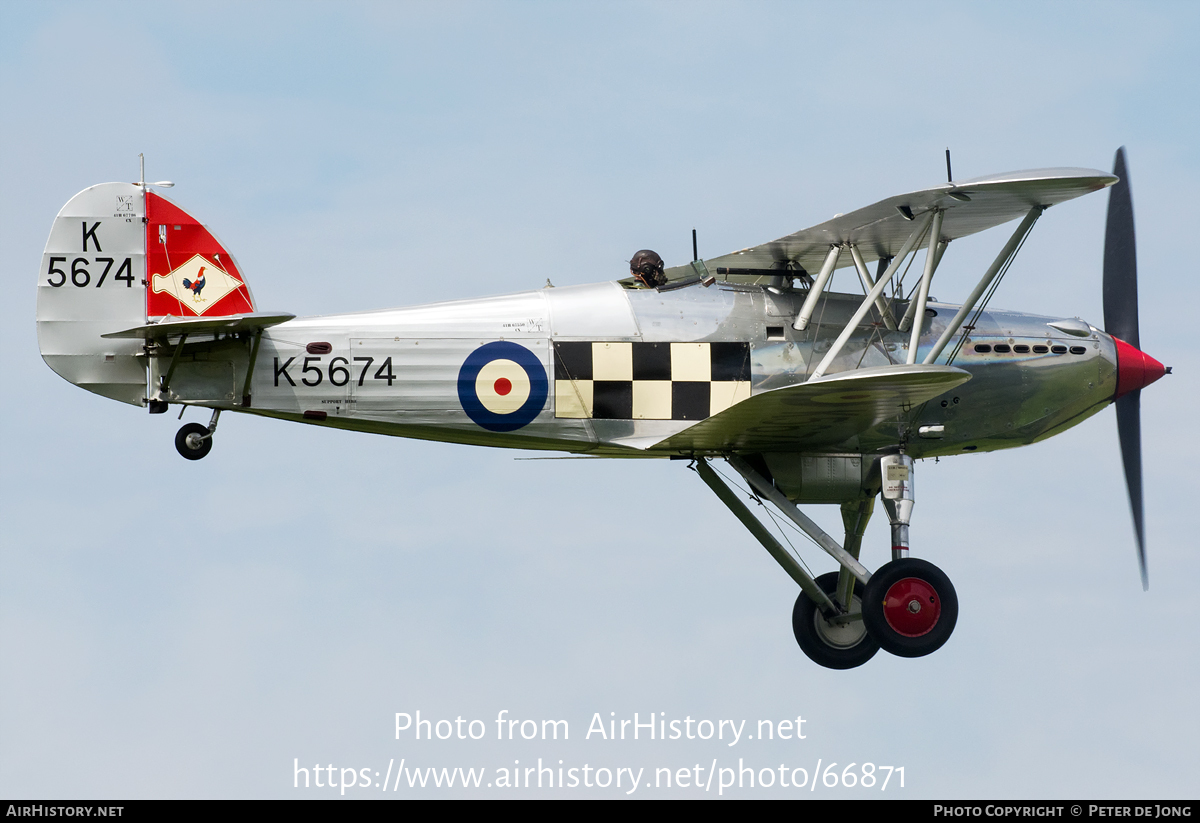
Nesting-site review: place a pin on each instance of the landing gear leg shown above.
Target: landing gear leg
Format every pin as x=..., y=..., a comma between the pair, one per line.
x=909, y=605
x=843, y=641
x=194, y=440
x=855, y=516
x=829, y=631
x=897, y=470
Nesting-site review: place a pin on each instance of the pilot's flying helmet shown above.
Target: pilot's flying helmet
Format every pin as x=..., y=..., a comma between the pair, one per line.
x=647, y=267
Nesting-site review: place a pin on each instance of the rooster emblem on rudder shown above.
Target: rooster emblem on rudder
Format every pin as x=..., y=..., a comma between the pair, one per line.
x=196, y=285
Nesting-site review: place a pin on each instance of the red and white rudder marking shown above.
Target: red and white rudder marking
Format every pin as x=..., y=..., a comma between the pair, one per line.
x=191, y=273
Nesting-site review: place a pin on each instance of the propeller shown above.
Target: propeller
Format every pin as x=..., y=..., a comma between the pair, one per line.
x=1121, y=321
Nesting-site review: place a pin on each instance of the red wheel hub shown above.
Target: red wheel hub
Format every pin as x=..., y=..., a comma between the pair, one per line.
x=912, y=607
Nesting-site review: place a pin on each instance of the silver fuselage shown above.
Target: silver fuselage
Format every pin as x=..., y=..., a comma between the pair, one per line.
x=329, y=370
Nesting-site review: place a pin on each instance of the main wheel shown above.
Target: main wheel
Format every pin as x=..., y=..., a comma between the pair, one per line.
x=832, y=645
x=910, y=607
x=190, y=441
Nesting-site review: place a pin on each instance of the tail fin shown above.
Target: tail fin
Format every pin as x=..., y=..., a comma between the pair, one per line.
x=118, y=254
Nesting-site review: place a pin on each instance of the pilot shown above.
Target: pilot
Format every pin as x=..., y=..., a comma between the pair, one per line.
x=647, y=269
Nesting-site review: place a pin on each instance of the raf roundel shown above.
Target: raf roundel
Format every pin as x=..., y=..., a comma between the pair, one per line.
x=502, y=386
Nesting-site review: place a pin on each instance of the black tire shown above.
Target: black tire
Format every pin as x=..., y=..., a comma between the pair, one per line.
x=834, y=647
x=181, y=441
x=910, y=607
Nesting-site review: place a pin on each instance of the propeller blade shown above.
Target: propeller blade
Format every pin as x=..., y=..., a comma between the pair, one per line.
x=1121, y=321
x=1129, y=431
x=1120, y=260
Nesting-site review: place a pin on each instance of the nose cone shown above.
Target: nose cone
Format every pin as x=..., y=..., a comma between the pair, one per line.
x=1135, y=368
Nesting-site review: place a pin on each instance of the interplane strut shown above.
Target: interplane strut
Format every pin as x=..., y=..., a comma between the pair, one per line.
x=871, y=297
x=968, y=305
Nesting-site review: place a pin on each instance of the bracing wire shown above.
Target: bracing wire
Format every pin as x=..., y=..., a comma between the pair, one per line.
x=912, y=256
x=781, y=527
x=970, y=326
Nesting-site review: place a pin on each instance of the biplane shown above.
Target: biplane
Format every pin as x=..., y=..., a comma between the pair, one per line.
x=811, y=396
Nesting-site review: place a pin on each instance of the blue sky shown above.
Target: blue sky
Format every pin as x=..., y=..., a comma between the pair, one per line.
x=359, y=156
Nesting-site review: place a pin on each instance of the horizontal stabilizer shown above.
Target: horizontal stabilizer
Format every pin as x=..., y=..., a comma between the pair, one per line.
x=202, y=325
x=823, y=412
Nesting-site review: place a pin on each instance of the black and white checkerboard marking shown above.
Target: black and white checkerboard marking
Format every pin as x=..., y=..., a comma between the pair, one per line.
x=649, y=381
